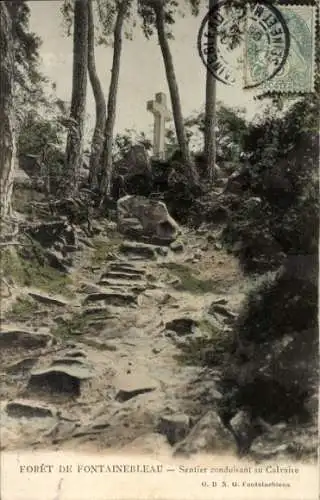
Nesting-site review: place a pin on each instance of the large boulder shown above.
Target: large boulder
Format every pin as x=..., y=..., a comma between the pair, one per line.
x=140, y=216
x=209, y=435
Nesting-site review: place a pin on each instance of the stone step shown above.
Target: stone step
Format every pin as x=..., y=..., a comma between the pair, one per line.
x=111, y=297
x=24, y=339
x=121, y=284
x=68, y=361
x=21, y=366
x=99, y=311
x=126, y=267
x=60, y=378
x=49, y=300
x=138, y=250
x=122, y=275
x=28, y=409
x=138, y=258
x=132, y=385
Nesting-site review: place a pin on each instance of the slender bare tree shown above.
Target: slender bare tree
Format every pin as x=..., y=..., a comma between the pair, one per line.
x=74, y=147
x=101, y=111
x=122, y=9
x=160, y=14
x=210, y=118
x=7, y=133
x=158, y=7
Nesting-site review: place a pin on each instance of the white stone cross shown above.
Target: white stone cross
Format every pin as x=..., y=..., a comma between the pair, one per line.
x=161, y=114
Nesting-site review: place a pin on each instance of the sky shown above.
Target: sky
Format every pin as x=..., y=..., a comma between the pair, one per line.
x=142, y=71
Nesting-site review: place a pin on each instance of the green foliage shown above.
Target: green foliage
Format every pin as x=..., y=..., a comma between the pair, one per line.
x=26, y=43
x=292, y=302
x=38, y=134
x=273, y=137
x=123, y=142
x=105, y=15
x=283, y=175
x=232, y=128
x=273, y=367
x=67, y=11
x=230, y=134
x=172, y=8
x=44, y=138
x=28, y=79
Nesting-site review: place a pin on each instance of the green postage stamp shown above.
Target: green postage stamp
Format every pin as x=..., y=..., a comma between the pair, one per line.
x=262, y=45
x=297, y=73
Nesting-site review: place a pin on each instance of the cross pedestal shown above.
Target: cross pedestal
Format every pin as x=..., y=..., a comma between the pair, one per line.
x=161, y=114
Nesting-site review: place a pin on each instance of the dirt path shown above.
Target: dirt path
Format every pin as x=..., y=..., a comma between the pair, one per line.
x=124, y=325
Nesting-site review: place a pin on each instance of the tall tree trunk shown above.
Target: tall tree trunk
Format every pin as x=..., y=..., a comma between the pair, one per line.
x=101, y=112
x=172, y=83
x=105, y=185
x=210, y=118
x=7, y=133
x=74, y=147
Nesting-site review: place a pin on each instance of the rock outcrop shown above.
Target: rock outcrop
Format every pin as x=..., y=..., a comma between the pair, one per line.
x=208, y=435
x=140, y=216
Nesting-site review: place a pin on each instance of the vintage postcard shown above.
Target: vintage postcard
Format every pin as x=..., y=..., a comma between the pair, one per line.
x=159, y=249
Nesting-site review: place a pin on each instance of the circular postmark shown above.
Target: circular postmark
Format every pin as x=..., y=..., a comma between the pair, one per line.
x=247, y=42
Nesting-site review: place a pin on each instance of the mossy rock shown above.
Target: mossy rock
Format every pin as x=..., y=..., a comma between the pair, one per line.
x=187, y=281
x=28, y=266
